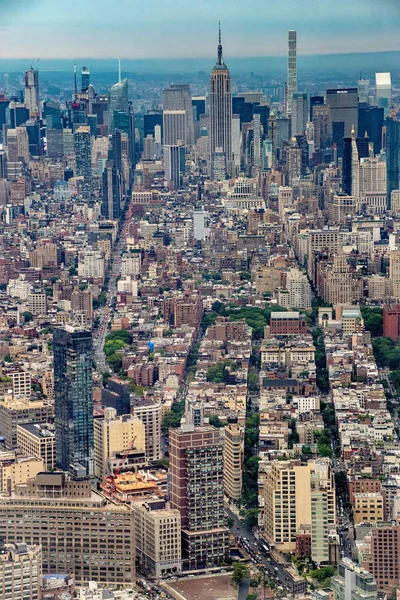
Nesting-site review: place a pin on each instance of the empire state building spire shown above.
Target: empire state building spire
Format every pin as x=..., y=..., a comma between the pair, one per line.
x=220, y=60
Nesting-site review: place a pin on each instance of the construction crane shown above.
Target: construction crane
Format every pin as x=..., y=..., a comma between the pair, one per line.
x=110, y=479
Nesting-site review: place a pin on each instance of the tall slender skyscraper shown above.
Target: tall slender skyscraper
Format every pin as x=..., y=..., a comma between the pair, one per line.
x=32, y=91
x=221, y=110
x=83, y=155
x=85, y=79
x=392, y=156
x=118, y=101
x=292, y=70
x=73, y=400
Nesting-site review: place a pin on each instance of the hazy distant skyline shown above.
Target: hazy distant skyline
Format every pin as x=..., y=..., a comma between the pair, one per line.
x=177, y=28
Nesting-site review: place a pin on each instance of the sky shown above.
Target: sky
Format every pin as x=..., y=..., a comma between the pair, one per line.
x=189, y=28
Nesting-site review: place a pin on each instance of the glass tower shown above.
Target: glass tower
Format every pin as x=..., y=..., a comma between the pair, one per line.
x=392, y=156
x=118, y=101
x=72, y=350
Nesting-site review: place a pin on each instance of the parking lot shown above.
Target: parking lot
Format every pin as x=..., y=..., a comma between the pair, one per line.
x=215, y=587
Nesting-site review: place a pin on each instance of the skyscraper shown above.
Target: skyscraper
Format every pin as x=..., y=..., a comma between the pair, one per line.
x=73, y=408
x=370, y=121
x=32, y=91
x=344, y=113
x=299, y=113
x=118, y=101
x=392, y=155
x=383, y=91
x=83, y=155
x=85, y=79
x=174, y=126
x=178, y=97
x=291, y=70
x=112, y=191
x=220, y=100
x=196, y=467
x=174, y=164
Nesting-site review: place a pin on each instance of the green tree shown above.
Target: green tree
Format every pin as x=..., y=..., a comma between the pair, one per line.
x=8, y=358
x=239, y=572
x=230, y=522
x=252, y=596
x=28, y=316
x=251, y=518
x=215, y=421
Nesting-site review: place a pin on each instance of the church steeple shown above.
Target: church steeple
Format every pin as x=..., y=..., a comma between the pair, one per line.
x=220, y=60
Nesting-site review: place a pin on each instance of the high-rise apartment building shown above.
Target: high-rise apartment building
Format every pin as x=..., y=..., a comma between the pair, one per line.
x=394, y=271
x=32, y=91
x=73, y=400
x=37, y=439
x=80, y=532
x=114, y=434
x=20, y=571
x=384, y=560
x=16, y=411
x=197, y=491
x=118, y=101
x=295, y=495
x=178, y=97
x=291, y=70
x=85, y=79
x=150, y=412
x=353, y=582
x=233, y=459
x=158, y=538
x=220, y=108
x=83, y=154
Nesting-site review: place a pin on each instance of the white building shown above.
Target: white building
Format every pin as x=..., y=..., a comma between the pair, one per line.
x=91, y=264
x=383, y=91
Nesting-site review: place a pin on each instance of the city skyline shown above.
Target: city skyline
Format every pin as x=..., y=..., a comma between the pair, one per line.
x=353, y=27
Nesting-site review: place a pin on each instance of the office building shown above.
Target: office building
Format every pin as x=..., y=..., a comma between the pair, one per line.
x=116, y=394
x=315, y=101
x=354, y=149
x=291, y=70
x=174, y=164
x=112, y=191
x=197, y=491
x=299, y=113
x=118, y=101
x=100, y=544
x=20, y=571
x=298, y=291
x=343, y=105
x=85, y=79
x=353, y=582
x=383, y=91
x=16, y=469
x=368, y=507
x=16, y=411
x=174, y=127
x=150, y=412
x=363, y=90
x=83, y=155
x=200, y=229
x=150, y=120
x=392, y=156
x=220, y=111
x=178, y=97
x=32, y=101
x=157, y=538
x=370, y=124
x=72, y=350
x=115, y=434
x=37, y=439
x=233, y=459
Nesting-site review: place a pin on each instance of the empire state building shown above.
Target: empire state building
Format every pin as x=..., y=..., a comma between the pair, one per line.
x=220, y=114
